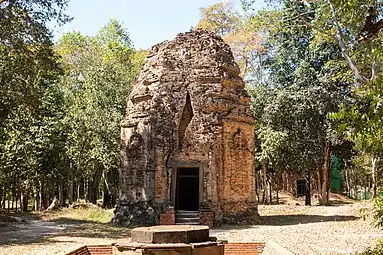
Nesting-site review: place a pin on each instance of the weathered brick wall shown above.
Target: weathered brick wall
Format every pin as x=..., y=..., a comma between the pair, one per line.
x=244, y=248
x=93, y=250
x=168, y=218
x=188, y=108
x=237, y=176
x=206, y=218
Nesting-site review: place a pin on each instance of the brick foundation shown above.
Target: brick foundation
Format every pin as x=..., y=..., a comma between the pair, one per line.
x=168, y=218
x=206, y=218
x=244, y=248
x=93, y=250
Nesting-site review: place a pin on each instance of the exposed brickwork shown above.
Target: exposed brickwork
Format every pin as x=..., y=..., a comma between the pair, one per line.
x=168, y=218
x=188, y=108
x=229, y=249
x=206, y=218
x=93, y=250
x=244, y=248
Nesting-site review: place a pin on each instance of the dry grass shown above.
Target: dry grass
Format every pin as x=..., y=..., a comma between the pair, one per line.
x=83, y=212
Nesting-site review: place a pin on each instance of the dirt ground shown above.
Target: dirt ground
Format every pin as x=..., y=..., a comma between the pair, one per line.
x=335, y=229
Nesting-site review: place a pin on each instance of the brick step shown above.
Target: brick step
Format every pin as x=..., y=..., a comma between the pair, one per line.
x=187, y=220
x=187, y=214
x=187, y=223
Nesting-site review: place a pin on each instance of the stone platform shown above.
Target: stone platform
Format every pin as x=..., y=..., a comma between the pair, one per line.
x=170, y=240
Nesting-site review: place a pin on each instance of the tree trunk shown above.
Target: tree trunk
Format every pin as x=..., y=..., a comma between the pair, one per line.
x=265, y=187
x=323, y=183
x=93, y=186
x=86, y=182
x=61, y=194
x=70, y=186
x=4, y=198
x=270, y=191
x=373, y=176
x=277, y=190
x=36, y=196
x=78, y=190
x=17, y=200
x=347, y=180
x=308, y=189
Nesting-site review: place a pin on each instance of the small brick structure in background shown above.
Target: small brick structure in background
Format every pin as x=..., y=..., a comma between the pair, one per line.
x=93, y=250
x=206, y=218
x=244, y=248
x=230, y=249
x=168, y=217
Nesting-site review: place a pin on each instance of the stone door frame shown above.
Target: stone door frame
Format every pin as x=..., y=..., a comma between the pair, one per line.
x=186, y=164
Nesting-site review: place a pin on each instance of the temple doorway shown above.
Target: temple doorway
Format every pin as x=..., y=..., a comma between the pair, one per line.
x=187, y=189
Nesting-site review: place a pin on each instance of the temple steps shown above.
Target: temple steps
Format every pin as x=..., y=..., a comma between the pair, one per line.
x=187, y=217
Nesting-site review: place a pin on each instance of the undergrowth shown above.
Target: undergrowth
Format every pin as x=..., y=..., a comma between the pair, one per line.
x=83, y=212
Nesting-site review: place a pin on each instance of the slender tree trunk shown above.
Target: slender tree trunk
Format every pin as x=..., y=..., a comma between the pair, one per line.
x=86, y=189
x=324, y=173
x=78, y=190
x=4, y=198
x=339, y=36
x=61, y=194
x=346, y=177
x=277, y=190
x=265, y=187
x=270, y=191
x=70, y=185
x=1, y=196
x=308, y=189
x=36, y=196
x=16, y=198
x=373, y=175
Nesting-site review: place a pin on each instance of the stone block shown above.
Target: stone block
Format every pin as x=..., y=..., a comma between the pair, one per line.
x=170, y=234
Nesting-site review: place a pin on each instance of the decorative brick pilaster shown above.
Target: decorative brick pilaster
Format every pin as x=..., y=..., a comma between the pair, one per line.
x=168, y=217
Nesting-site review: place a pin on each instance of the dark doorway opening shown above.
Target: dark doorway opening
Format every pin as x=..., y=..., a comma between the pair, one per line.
x=301, y=188
x=187, y=189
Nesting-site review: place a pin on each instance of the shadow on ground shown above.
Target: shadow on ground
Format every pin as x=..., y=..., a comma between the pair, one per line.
x=336, y=202
x=38, y=231
x=286, y=220
x=283, y=220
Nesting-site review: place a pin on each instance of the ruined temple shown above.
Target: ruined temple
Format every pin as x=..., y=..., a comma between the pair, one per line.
x=188, y=135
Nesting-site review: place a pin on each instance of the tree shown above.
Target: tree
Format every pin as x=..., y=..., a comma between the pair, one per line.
x=98, y=75
x=219, y=18
x=295, y=133
x=29, y=98
x=222, y=19
x=26, y=50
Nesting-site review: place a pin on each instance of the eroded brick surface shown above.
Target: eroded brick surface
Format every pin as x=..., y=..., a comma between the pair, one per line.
x=188, y=108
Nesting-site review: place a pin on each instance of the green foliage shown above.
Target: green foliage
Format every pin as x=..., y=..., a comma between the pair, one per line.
x=98, y=75
x=26, y=52
x=378, y=250
x=378, y=212
x=291, y=109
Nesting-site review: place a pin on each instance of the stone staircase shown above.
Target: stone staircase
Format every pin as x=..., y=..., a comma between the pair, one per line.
x=187, y=218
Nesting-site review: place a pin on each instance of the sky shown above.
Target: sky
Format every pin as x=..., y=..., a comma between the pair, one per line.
x=148, y=21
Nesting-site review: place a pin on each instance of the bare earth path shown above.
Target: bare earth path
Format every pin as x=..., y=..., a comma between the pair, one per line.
x=310, y=230
x=301, y=230
x=56, y=236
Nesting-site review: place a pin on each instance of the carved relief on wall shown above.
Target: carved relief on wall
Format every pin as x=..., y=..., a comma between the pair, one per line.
x=134, y=144
x=238, y=160
x=238, y=141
